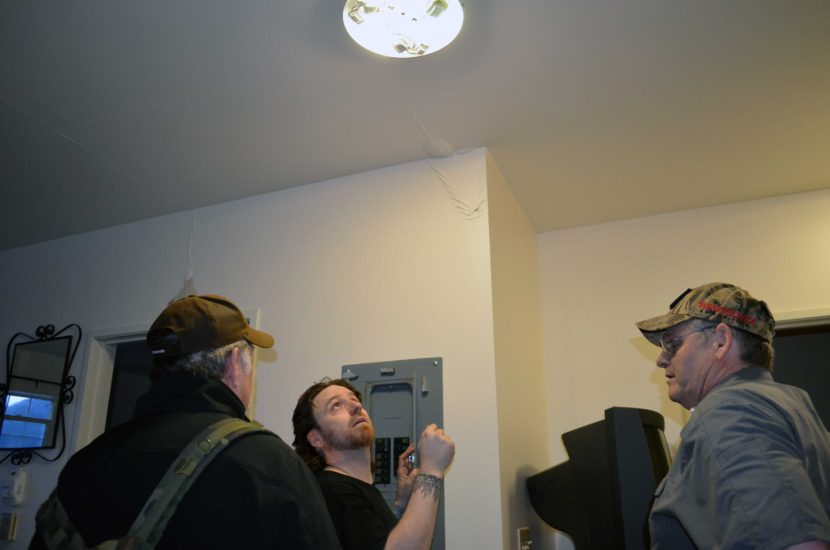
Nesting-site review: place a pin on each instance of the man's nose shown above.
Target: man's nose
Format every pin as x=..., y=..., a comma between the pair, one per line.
x=663, y=359
x=356, y=408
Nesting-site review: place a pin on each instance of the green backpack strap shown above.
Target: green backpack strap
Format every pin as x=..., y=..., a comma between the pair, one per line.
x=152, y=520
x=54, y=526
x=59, y=534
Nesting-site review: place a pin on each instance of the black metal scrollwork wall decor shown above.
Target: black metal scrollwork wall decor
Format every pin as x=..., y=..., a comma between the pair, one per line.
x=38, y=386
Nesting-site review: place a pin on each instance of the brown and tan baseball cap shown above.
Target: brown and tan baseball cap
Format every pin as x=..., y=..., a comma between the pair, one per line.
x=720, y=302
x=198, y=323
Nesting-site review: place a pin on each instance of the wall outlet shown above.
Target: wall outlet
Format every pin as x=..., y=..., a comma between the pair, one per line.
x=525, y=542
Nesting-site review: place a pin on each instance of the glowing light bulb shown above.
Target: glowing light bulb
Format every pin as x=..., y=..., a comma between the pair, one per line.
x=403, y=28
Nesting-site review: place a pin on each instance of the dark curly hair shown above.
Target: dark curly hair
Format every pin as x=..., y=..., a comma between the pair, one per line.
x=303, y=420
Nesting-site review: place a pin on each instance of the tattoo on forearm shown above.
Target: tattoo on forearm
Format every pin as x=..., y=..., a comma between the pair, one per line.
x=429, y=485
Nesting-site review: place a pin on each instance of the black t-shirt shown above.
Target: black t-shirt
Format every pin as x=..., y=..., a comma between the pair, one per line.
x=361, y=517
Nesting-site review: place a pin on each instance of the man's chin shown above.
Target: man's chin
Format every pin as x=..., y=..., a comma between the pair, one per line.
x=367, y=435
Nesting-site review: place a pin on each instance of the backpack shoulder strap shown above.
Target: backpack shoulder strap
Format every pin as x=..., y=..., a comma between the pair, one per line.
x=56, y=528
x=150, y=523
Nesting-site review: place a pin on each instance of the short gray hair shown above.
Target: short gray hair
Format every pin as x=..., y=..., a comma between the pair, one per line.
x=209, y=363
x=755, y=350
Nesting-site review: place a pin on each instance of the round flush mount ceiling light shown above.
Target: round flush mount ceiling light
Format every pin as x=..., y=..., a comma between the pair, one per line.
x=403, y=28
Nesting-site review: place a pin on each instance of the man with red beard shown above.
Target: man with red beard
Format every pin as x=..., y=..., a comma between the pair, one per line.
x=333, y=434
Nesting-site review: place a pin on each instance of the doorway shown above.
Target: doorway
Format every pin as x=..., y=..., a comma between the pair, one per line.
x=802, y=359
x=130, y=380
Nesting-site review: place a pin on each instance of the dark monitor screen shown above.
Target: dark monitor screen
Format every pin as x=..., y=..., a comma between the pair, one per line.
x=602, y=495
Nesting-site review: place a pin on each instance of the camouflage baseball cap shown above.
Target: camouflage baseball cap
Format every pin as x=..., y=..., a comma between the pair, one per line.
x=720, y=302
x=197, y=323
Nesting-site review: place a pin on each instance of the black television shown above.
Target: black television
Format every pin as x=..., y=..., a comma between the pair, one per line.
x=601, y=496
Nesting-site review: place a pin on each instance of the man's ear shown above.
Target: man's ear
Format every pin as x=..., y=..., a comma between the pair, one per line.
x=725, y=339
x=233, y=370
x=315, y=438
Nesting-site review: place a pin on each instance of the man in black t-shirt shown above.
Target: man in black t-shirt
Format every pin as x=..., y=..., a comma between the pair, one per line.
x=333, y=434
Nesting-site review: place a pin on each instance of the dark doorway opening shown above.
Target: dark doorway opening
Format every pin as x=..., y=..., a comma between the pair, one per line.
x=802, y=359
x=130, y=380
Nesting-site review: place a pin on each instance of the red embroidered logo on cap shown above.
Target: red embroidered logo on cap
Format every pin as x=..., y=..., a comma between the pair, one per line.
x=728, y=312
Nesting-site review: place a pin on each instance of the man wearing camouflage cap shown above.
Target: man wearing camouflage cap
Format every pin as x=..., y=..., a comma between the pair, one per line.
x=753, y=467
x=256, y=493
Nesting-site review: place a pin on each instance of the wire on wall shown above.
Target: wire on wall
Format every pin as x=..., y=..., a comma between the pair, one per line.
x=188, y=288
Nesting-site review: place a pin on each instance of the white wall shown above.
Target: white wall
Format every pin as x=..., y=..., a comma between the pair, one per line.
x=598, y=281
x=520, y=375
x=377, y=266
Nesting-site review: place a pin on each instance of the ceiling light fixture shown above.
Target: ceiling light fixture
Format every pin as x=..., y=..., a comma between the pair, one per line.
x=403, y=28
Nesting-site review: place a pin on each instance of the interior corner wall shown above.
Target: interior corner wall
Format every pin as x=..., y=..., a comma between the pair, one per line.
x=598, y=281
x=520, y=374
x=382, y=265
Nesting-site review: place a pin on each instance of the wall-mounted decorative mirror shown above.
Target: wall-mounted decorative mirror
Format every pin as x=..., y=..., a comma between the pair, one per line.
x=34, y=394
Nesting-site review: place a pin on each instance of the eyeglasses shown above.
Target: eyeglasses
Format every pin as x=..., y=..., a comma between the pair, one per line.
x=670, y=347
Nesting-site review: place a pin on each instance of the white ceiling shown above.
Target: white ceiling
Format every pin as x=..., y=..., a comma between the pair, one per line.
x=115, y=111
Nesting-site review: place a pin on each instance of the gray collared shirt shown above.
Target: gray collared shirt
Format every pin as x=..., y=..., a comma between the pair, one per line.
x=752, y=471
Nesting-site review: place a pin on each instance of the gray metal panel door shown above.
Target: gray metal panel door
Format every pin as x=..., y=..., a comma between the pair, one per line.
x=402, y=397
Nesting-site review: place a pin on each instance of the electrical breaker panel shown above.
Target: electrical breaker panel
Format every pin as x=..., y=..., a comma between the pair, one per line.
x=402, y=398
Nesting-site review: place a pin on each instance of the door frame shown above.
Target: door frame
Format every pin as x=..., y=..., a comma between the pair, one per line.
x=802, y=318
x=99, y=359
